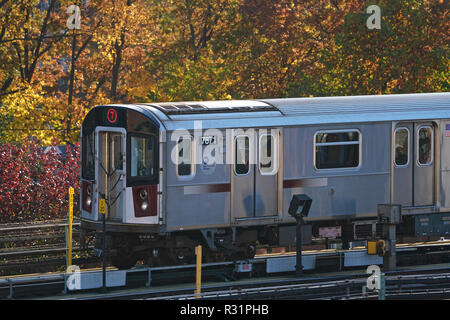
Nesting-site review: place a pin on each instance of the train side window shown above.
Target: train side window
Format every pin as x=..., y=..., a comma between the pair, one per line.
x=337, y=149
x=401, y=146
x=142, y=156
x=185, y=161
x=425, y=145
x=242, y=155
x=267, y=154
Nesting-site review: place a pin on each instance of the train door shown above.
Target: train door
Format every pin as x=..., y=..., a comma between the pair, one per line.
x=111, y=170
x=414, y=164
x=266, y=173
x=254, y=173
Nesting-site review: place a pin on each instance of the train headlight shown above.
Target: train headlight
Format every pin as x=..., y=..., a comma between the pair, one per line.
x=144, y=205
x=88, y=201
x=87, y=196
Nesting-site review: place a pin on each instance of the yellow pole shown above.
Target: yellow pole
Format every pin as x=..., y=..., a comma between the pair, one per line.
x=71, y=192
x=198, y=252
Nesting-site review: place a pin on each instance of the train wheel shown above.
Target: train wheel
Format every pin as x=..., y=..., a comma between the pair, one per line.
x=181, y=255
x=125, y=257
x=124, y=261
x=159, y=258
x=246, y=251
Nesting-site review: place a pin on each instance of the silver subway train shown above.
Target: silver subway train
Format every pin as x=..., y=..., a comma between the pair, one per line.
x=223, y=173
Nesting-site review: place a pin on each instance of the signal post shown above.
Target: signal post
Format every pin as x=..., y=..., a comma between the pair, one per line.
x=389, y=215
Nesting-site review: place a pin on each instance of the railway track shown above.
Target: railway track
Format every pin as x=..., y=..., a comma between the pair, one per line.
x=29, y=236
x=258, y=281
x=406, y=284
x=37, y=247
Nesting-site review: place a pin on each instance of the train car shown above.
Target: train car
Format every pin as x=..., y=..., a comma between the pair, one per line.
x=223, y=173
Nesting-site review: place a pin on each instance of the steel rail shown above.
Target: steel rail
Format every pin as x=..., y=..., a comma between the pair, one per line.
x=37, y=226
x=37, y=251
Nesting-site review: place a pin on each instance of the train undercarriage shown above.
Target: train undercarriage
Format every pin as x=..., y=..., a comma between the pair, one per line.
x=125, y=249
x=221, y=244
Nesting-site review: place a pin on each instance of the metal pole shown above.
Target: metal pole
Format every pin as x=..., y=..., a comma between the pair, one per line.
x=104, y=252
x=65, y=283
x=10, y=289
x=198, y=252
x=149, y=276
x=299, y=265
x=390, y=259
x=69, y=258
x=107, y=198
x=382, y=290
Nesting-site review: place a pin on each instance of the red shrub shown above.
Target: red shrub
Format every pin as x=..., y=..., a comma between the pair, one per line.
x=34, y=185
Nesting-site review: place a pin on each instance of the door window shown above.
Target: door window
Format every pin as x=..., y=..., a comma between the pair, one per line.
x=242, y=155
x=425, y=145
x=267, y=154
x=401, y=147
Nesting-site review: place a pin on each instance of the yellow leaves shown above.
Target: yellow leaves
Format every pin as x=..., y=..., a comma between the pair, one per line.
x=24, y=109
x=233, y=50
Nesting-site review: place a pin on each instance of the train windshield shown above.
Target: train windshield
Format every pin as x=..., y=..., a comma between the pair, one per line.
x=142, y=156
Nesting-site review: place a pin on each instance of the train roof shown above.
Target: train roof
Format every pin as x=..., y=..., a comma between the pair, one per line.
x=301, y=111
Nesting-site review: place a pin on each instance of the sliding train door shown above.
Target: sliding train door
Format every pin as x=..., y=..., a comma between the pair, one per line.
x=414, y=164
x=424, y=164
x=266, y=173
x=254, y=174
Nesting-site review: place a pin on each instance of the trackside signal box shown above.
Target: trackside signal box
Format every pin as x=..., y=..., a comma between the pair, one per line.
x=376, y=247
x=371, y=247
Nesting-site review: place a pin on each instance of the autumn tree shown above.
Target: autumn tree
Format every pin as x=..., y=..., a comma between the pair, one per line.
x=191, y=61
x=29, y=32
x=408, y=54
x=166, y=50
x=51, y=76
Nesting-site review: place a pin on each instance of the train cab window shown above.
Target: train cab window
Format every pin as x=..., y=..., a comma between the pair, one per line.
x=267, y=154
x=337, y=149
x=87, y=160
x=242, y=155
x=142, y=156
x=185, y=163
x=425, y=145
x=401, y=146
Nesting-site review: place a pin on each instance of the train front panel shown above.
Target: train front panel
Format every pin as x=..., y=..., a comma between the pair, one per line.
x=120, y=172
